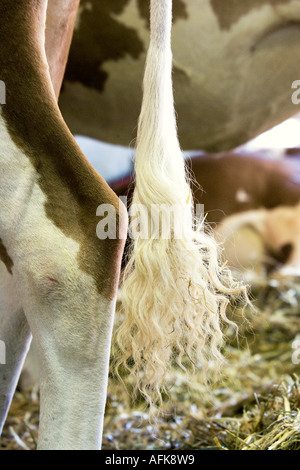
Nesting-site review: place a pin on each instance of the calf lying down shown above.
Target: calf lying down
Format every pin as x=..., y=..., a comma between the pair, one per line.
x=263, y=241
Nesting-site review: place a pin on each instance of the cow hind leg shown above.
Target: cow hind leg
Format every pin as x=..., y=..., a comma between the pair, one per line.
x=71, y=324
x=15, y=340
x=73, y=378
x=66, y=274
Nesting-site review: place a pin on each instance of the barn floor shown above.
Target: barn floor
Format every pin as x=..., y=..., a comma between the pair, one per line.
x=255, y=407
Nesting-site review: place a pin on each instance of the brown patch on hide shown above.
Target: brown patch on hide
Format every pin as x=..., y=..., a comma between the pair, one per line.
x=99, y=39
x=230, y=12
x=73, y=189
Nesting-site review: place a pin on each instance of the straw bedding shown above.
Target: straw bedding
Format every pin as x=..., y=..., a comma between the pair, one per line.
x=254, y=406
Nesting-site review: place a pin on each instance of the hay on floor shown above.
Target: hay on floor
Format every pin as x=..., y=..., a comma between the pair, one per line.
x=256, y=405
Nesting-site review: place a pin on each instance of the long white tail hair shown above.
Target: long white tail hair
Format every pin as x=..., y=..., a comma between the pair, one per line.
x=175, y=292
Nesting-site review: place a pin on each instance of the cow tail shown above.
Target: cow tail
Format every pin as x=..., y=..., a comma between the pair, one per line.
x=175, y=292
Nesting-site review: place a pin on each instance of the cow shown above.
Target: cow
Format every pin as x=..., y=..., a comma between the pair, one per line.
x=59, y=281
x=59, y=276
x=233, y=82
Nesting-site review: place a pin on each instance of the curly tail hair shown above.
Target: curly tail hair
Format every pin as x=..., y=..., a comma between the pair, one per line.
x=175, y=292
